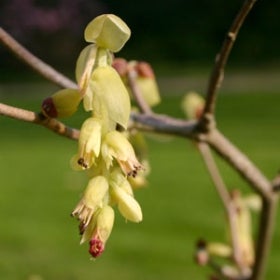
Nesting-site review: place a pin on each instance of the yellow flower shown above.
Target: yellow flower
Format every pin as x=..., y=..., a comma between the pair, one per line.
x=108, y=97
x=127, y=204
x=107, y=31
x=95, y=194
x=101, y=224
x=115, y=145
x=89, y=142
x=99, y=230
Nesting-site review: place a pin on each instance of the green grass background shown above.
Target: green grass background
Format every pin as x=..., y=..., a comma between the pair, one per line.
x=38, y=238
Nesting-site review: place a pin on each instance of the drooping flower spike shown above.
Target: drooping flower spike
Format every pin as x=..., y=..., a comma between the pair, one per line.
x=104, y=152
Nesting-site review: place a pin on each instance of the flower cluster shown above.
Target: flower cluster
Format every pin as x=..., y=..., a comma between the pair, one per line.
x=104, y=150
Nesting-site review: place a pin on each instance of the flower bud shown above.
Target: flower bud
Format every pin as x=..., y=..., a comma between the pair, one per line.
x=144, y=69
x=107, y=31
x=149, y=90
x=231, y=272
x=253, y=202
x=201, y=256
x=120, y=64
x=127, y=204
x=193, y=105
x=219, y=249
x=61, y=104
x=145, y=80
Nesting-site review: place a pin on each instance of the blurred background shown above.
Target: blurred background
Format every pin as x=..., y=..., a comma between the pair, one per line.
x=38, y=239
x=174, y=32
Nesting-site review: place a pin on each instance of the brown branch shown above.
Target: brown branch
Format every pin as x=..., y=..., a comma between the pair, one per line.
x=37, y=118
x=239, y=162
x=37, y=64
x=143, y=106
x=221, y=59
x=214, y=173
x=265, y=233
x=235, y=158
x=261, y=185
x=164, y=125
x=217, y=141
x=224, y=195
x=276, y=183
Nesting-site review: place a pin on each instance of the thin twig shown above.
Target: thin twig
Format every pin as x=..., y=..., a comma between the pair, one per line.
x=221, y=59
x=34, y=62
x=164, y=124
x=224, y=195
x=265, y=233
x=37, y=118
x=260, y=184
x=276, y=183
x=143, y=106
x=214, y=172
x=240, y=162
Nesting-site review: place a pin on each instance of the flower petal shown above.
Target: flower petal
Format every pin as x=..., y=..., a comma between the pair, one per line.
x=127, y=205
x=108, y=31
x=110, y=94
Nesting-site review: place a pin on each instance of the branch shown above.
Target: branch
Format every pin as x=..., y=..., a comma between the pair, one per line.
x=223, y=193
x=276, y=183
x=217, y=75
x=239, y=162
x=37, y=118
x=190, y=129
x=164, y=124
x=261, y=185
x=37, y=64
x=266, y=227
